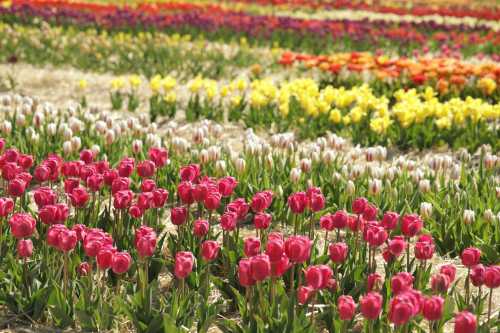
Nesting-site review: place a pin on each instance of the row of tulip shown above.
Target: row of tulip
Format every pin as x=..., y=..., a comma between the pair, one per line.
x=449, y=75
x=123, y=52
x=168, y=245
x=413, y=118
x=224, y=24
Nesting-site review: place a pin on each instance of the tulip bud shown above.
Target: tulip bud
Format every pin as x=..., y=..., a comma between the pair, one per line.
x=6, y=127
x=350, y=188
x=469, y=216
x=110, y=136
x=240, y=165
x=424, y=185
x=374, y=186
x=137, y=146
x=305, y=165
x=67, y=147
x=489, y=216
x=426, y=209
x=295, y=175
x=220, y=166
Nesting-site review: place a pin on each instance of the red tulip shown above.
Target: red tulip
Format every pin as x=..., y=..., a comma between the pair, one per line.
x=122, y=199
x=160, y=196
x=260, y=267
x=440, y=283
x=67, y=240
x=411, y=225
x=184, y=262
x=240, y=207
x=178, y=215
x=135, y=211
x=450, y=270
x=470, y=256
x=95, y=182
x=244, y=274
x=226, y=186
x=492, y=277
x=70, y=184
x=44, y=196
x=105, y=257
x=53, y=234
x=338, y=252
x=251, y=246
x=477, y=275
x=424, y=250
x=465, y=322
x=326, y=222
x=159, y=156
x=146, y=169
x=346, y=307
x=83, y=269
x=390, y=220
x=79, y=197
x=200, y=228
x=279, y=266
x=370, y=212
x=110, y=176
x=400, y=310
x=371, y=305
x=298, y=248
x=24, y=248
x=25, y=161
x=304, y=293
x=126, y=167
x=261, y=201
x=340, y=219
x=80, y=230
x=209, y=250
x=146, y=244
x=185, y=192
x=374, y=282
x=262, y=220
x=212, y=200
x=86, y=171
x=397, y=245
x=315, y=199
x=359, y=205
x=228, y=221
x=297, y=202
x=68, y=169
x=17, y=187
x=318, y=276
x=121, y=262
x=119, y=184
x=190, y=173
x=375, y=235
x=401, y=282
x=22, y=225
x=275, y=248
x=6, y=206
x=433, y=308
x=41, y=173
x=148, y=185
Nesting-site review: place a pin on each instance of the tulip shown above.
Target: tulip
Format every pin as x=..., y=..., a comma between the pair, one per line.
x=244, y=275
x=440, y=283
x=44, y=196
x=178, y=215
x=275, y=248
x=95, y=182
x=22, y=225
x=397, y=245
x=401, y=282
x=424, y=250
x=359, y=205
x=450, y=270
x=304, y=293
x=104, y=257
x=374, y=282
x=184, y=262
x=121, y=262
x=315, y=199
x=338, y=252
x=346, y=307
x=239, y=207
x=24, y=248
x=318, y=276
x=298, y=248
x=83, y=269
x=160, y=196
x=411, y=225
x=251, y=246
x=212, y=200
x=297, y=202
x=261, y=201
x=370, y=212
x=148, y=185
x=470, y=257
x=159, y=156
x=326, y=222
x=67, y=240
x=492, y=281
x=190, y=173
x=122, y=199
x=340, y=219
x=200, y=228
x=401, y=310
x=477, y=275
x=228, y=221
x=79, y=197
x=433, y=308
x=371, y=305
x=146, y=169
x=226, y=186
x=279, y=266
x=6, y=206
x=210, y=250
x=17, y=187
x=465, y=322
x=260, y=267
x=390, y=220
x=262, y=220
x=146, y=245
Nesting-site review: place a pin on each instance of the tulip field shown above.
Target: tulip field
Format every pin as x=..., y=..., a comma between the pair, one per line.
x=241, y=166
